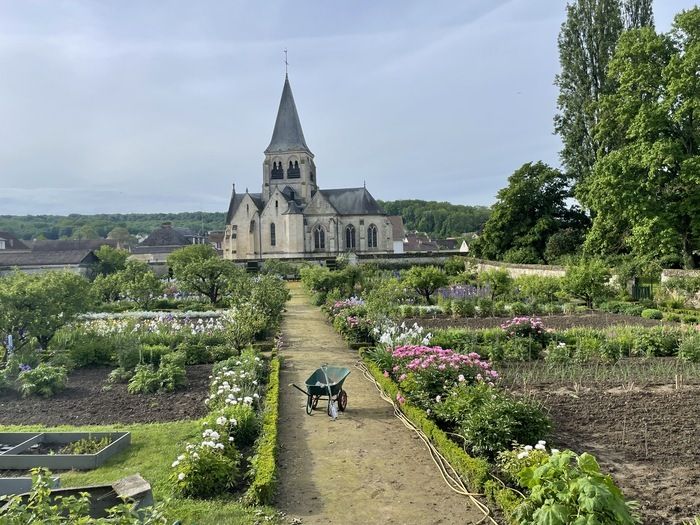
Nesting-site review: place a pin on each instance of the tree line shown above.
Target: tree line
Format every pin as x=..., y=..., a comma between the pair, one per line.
x=437, y=219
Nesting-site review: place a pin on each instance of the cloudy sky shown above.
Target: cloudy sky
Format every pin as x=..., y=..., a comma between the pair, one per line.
x=132, y=106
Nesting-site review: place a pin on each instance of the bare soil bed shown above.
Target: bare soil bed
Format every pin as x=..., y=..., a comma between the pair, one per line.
x=648, y=438
x=558, y=322
x=86, y=402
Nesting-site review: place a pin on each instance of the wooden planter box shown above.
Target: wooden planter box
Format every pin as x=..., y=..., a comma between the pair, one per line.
x=16, y=458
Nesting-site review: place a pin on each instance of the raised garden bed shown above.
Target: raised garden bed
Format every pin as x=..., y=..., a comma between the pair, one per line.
x=20, y=485
x=27, y=450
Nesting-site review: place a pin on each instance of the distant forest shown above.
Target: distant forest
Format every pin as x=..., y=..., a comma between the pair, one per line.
x=437, y=219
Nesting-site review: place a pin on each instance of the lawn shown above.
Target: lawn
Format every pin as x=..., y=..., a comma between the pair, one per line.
x=153, y=448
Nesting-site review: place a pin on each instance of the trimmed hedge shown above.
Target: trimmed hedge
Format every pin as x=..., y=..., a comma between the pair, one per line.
x=475, y=471
x=262, y=488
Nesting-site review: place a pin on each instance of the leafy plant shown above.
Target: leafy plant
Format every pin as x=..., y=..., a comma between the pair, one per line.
x=86, y=446
x=44, y=380
x=204, y=470
x=144, y=381
x=571, y=490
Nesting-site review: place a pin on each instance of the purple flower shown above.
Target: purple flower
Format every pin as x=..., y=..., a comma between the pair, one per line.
x=24, y=368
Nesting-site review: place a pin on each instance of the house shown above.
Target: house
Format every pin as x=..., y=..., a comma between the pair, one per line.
x=216, y=239
x=163, y=241
x=398, y=232
x=38, y=261
x=64, y=245
x=292, y=217
x=10, y=242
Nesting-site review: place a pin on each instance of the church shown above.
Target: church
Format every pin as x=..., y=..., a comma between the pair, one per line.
x=292, y=217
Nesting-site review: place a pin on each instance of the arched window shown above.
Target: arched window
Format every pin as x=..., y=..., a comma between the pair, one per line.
x=319, y=238
x=350, y=237
x=273, y=236
x=371, y=236
x=277, y=171
x=293, y=170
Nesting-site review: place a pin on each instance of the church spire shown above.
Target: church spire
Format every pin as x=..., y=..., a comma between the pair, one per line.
x=287, y=135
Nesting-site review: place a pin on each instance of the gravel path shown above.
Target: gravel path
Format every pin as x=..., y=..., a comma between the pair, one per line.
x=365, y=467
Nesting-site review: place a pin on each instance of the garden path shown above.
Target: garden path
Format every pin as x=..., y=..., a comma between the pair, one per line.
x=365, y=467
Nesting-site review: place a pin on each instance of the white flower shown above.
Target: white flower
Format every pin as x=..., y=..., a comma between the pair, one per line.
x=528, y=448
x=221, y=420
x=230, y=438
x=175, y=464
x=523, y=454
x=541, y=442
x=181, y=476
x=438, y=399
x=555, y=451
x=460, y=378
x=540, y=446
x=219, y=446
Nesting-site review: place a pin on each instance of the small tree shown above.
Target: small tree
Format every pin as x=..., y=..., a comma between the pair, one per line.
x=425, y=280
x=36, y=305
x=199, y=269
x=111, y=260
x=139, y=283
x=499, y=281
x=588, y=280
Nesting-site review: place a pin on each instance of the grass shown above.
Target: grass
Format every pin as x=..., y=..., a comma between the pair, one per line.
x=153, y=448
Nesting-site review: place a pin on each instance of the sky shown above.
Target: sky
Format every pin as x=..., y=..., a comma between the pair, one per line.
x=117, y=106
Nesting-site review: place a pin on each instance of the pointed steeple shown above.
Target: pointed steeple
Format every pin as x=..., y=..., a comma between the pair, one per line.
x=287, y=135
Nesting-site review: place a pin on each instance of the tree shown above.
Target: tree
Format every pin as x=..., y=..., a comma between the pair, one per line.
x=587, y=40
x=498, y=281
x=111, y=260
x=588, y=280
x=650, y=177
x=139, y=283
x=199, y=269
x=425, y=280
x=36, y=305
x=121, y=235
x=531, y=209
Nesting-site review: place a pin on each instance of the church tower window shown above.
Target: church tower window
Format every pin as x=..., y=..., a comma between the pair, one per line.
x=293, y=170
x=277, y=171
x=273, y=236
x=319, y=238
x=350, y=237
x=372, y=236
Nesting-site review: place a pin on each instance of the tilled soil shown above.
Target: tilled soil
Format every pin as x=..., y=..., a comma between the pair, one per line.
x=557, y=322
x=85, y=401
x=648, y=439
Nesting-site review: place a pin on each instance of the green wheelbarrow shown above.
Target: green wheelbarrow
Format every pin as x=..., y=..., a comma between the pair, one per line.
x=326, y=383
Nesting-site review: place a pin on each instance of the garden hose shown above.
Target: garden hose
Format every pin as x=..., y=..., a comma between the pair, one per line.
x=447, y=471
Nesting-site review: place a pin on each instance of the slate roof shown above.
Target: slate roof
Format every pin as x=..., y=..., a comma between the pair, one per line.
x=62, y=245
x=353, y=201
x=236, y=200
x=46, y=258
x=287, y=135
x=165, y=235
x=12, y=242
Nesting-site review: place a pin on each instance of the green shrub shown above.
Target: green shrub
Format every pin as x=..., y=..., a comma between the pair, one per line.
x=656, y=342
x=463, y=308
x=204, y=471
x=44, y=380
x=538, y=288
x=571, y=489
x=557, y=352
x=246, y=428
x=195, y=351
x=171, y=372
x=689, y=349
x=87, y=349
x=652, y=313
x=264, y=463
x=144, y=381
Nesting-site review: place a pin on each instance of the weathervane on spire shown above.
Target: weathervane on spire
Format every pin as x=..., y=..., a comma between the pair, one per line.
x=286, y=64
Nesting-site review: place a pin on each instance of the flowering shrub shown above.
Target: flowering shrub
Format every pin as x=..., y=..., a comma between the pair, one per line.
x=236, y=382
x=427, y=372
x=240, y=422
x=160, y=324
x=512, y=462
x=391, y=335
x=207, y=468
x=242, y=323
x=44, y=380
x=527, y=327
x=354, y=324
x=352, y=302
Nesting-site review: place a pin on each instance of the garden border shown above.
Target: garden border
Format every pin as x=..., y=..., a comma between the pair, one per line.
x=262, y=488
x=475, y=471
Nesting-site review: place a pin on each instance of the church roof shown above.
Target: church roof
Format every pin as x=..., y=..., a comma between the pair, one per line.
x=236, y=200
x=287, y=135
x=353, y=201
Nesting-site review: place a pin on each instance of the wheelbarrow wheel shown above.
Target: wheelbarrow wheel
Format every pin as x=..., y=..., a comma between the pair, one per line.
x=314, y=402
x=309, y=405
x=342, y=400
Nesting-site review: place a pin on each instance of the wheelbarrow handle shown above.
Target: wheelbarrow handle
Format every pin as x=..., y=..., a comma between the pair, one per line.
x=300, y=389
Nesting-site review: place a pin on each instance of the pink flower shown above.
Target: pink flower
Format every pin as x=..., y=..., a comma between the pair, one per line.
x=386, y=374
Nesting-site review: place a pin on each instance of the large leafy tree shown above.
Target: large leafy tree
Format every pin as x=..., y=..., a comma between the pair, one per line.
x=531, y=209
x=650, y=176
x=137, y=282
x=111, y=260
x=586, y=42
x=425, y=280
x=199, y=269
x=34, y=306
